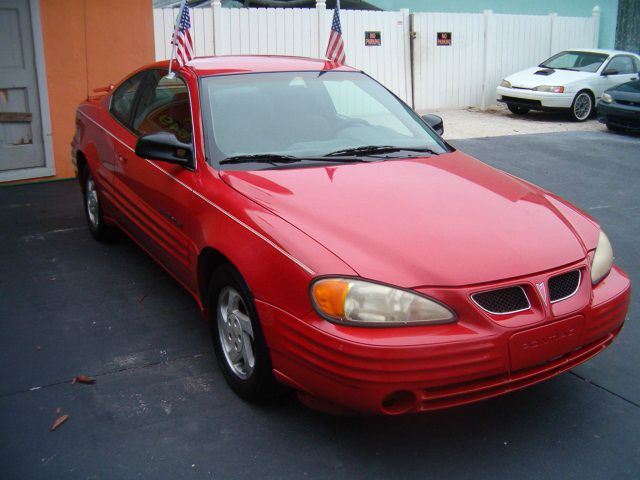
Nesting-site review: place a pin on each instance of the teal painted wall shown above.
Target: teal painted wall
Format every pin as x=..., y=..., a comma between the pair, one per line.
x=566, y=8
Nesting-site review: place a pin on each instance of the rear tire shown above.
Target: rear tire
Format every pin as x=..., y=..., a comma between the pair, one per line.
x=517, y=109
x=238, y=341
x=582, y=107
x=93, y=210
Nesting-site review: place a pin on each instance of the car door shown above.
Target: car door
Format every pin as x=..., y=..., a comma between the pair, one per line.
x=620, y=69
x=158, y=194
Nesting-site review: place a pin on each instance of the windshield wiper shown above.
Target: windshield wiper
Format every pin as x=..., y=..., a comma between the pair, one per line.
x=261, y=158
x=274, y=159
x=373, y=149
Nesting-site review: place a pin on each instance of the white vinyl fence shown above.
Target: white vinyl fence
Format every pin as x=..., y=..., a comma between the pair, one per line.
x=485, y=47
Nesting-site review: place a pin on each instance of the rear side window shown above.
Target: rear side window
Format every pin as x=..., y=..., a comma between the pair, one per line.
x=163, y=106
x=123, y=97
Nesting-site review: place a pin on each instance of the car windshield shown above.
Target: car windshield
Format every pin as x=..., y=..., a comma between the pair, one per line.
x=630, y=87
x=579, y=61
x=302, y=116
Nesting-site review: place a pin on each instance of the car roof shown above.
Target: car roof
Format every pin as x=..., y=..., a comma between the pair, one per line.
x=228, y=64
x=598, y=50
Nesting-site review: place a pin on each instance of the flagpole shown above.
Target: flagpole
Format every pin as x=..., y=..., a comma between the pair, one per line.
x=174, y=38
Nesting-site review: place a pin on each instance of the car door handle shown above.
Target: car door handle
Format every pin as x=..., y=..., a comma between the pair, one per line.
x=121, y=158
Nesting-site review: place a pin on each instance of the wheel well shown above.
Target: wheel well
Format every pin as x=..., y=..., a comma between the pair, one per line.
x=208, y=261
x=593, y=97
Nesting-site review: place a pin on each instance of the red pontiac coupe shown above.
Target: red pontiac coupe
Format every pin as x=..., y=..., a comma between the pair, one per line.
x=336, y=243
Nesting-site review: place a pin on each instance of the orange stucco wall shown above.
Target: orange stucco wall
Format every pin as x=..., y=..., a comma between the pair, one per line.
x=87, y=44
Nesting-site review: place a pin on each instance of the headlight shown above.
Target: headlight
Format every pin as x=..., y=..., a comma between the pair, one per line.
x=549, y=88
x=358, y=302
x=505, y=84
x=606, y=98
x=602, y=259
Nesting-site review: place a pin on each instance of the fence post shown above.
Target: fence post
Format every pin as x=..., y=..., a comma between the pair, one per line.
x=595, y=15
x=216, y=14
x=487, y=63
x=408, y=57
x=321, y=8
x=552, y=29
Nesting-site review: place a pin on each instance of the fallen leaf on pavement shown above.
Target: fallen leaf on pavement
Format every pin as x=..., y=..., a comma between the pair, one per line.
x=59, y=421
x=83, y=379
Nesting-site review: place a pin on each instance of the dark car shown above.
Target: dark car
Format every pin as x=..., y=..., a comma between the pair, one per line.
x=619, y=107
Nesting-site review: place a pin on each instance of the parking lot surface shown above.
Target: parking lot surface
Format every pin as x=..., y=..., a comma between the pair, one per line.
x=160, y=407
x=497, y=121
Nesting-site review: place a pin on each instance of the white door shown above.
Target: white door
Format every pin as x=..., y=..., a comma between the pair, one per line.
x=21, y=140
x=448, y=51
x=620, y=69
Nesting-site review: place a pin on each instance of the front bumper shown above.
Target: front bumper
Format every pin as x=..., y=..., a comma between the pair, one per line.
x=619, y=115
x=534, y=99
x=415, y=369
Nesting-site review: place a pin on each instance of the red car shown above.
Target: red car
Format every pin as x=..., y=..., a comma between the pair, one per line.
x=337, y=244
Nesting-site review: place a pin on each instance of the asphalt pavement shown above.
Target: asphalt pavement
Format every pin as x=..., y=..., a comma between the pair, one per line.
x=161, y=409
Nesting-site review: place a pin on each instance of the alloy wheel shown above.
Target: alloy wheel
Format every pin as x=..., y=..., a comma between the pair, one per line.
x=582, y=106
x=236, y=333
x=93, y=207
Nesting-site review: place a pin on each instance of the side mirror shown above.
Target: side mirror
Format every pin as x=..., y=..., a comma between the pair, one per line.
x=435, y=122
x=166, y=147
x=609, y=72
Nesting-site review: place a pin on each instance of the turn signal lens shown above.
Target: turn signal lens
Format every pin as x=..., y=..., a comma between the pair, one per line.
x=606, y=98
x=359, y=302
x=330, y=295
x=505, y=84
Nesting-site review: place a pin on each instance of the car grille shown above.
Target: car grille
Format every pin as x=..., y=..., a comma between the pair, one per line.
x=564, y=285
x=521, y=101
x=502, y=301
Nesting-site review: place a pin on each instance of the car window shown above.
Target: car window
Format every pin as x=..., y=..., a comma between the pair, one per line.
x=123, y=97
x=622, y=64
x=636, y=64
x=306, y=114
x=163, y=106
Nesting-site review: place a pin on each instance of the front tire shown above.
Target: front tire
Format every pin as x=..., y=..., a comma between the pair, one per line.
x=238, y=342
x=582, y=107
x=93, y=210
x=517, y=109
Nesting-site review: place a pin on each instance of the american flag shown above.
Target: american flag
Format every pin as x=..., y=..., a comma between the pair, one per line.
x=182, y=37
x=335, y=47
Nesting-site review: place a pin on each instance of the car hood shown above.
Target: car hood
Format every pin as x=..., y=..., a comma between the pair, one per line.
x=529, y=79
x=447, y=220
x=629, y=92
